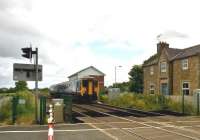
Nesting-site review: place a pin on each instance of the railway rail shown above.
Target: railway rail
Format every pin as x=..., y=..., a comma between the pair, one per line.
x=111, y=127
x=132, y=117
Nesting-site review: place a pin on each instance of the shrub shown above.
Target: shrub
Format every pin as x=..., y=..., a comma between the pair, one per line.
x=5, y=111
x=25, y=112
x=149, y=102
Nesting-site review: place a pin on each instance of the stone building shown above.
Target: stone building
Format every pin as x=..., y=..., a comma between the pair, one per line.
x=172, y=71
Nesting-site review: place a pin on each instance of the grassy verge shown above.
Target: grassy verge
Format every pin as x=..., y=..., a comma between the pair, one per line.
x=25, y=112
x=147, y=102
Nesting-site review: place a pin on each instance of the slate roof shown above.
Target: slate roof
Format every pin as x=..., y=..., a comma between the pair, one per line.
x=174, y=54
x=191, y=51
x=86, y=69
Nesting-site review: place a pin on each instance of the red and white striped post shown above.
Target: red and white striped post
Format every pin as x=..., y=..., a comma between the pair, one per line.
x=50, y=123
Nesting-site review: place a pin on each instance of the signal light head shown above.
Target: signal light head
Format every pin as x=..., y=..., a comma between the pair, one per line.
x=27, y=52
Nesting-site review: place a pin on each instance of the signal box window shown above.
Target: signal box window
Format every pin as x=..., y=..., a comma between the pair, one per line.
x=186, y=88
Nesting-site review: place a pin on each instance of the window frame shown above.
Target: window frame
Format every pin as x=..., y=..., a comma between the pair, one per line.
x=185, y=89
x=161, y=67
x=184, y=64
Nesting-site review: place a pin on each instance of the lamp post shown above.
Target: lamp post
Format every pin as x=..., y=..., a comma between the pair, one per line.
x=116, y=73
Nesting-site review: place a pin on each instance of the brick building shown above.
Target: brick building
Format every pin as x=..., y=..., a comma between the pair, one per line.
x=91, y=72
x=172, y=71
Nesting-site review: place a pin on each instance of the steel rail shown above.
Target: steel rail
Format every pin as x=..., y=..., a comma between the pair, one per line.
x=107, y=124
x=142, y=123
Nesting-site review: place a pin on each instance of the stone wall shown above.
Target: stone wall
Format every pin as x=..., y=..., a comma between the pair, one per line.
x=190, y=75
x=150, y=79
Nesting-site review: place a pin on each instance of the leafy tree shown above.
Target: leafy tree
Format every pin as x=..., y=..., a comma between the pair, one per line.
x=136, y=79
x=124, y=86
x=21, y=85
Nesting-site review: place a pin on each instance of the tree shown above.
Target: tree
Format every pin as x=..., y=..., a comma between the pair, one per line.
x=136, y=79
x=124, y=86
x=21, y=85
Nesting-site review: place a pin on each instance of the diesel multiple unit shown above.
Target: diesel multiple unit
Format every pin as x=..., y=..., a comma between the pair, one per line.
x=83, y=85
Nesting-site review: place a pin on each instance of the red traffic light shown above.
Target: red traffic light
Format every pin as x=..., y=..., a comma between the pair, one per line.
x=27, y=52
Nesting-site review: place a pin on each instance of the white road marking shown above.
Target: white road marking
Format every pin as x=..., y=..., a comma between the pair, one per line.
x=82, y=130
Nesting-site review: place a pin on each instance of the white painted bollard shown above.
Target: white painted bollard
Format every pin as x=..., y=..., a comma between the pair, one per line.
x=50, y=123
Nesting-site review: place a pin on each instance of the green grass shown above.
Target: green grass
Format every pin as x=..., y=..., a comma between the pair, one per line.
x=147, y=102
x=25, y=112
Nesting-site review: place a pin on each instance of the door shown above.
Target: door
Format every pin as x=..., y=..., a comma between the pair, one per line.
x=90, y=87
x=164, y=89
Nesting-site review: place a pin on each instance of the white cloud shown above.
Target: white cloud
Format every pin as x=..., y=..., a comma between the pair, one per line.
x=68, y=27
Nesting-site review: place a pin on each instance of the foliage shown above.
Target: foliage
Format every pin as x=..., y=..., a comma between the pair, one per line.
x=44, y=91
x=7, y=90
x=5, y=111
x=136, y=79
x=25, y=112
x=148, y=103
x=21, y=85
x=124, y=86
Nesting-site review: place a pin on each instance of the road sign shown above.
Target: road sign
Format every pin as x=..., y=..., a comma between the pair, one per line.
x=22, y=101
x=26, y=72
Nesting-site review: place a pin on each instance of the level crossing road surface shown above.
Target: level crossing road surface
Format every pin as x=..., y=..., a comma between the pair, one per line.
x=105, y=123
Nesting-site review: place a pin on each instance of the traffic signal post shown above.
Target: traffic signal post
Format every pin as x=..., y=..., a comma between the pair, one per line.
x=28, y=53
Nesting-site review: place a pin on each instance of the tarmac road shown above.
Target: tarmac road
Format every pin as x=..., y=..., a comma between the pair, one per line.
x=105, y=124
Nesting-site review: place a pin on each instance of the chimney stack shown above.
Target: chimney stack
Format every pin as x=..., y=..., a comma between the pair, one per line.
x=162, y=45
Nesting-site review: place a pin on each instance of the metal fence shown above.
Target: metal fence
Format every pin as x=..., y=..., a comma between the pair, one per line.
x=185, y=104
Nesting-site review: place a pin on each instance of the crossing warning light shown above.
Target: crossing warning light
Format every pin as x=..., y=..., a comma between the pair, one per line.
x=27, y=52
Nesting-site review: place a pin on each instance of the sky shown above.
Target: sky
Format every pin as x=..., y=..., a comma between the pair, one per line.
x=74, y=34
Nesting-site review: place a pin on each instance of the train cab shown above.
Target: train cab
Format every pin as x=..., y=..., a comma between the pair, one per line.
x=89, y=88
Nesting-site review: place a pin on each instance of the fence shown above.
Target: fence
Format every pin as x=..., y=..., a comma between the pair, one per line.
x=185, y=104
x=189, y=105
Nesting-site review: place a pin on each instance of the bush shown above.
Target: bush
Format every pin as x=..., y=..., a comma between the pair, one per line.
x=25, y=112
x=5, y=111
x=148, y=103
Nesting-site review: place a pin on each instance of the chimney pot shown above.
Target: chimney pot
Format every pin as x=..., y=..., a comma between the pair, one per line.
x=162, y=45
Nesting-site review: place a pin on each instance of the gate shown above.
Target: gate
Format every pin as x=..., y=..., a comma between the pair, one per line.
x=42, y=115
x=68, y=108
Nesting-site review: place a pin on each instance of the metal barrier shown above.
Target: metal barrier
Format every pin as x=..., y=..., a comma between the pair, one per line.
x=68, y=108
x=42, y=110
x=14, y=109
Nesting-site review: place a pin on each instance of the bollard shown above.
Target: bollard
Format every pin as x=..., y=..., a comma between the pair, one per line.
x=50, y=123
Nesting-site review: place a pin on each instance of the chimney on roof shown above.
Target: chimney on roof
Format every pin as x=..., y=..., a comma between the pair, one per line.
x=161, y=46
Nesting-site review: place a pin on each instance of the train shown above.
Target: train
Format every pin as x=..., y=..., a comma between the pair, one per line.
x=84, y=89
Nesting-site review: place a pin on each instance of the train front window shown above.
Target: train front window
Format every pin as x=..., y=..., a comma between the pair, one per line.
x=85, y=83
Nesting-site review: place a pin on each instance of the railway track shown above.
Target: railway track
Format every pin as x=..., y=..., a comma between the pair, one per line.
x=90, y=114
x=132, y=117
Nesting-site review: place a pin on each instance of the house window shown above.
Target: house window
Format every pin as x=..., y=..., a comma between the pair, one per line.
x=163, y=66
x=186, y=88
x=184, y=63
x=151, y=70
x=152, y=89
